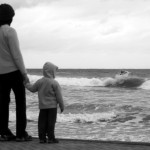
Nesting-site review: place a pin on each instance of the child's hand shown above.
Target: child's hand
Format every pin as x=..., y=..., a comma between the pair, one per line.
x=25, y=82
x=61, y=109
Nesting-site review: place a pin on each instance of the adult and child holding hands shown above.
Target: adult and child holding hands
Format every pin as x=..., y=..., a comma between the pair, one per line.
x=13, y=76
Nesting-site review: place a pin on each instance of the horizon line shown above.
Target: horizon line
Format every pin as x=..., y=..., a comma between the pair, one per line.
x=98, y=68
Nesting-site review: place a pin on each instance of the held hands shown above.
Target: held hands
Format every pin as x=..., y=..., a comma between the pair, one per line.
x=61, y=110
x=25, y=78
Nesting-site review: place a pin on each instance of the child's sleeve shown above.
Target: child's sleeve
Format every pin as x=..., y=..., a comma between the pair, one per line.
x=59, y=97
x=32, y=87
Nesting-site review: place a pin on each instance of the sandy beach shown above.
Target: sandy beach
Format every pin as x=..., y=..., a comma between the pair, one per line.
x=73, y=144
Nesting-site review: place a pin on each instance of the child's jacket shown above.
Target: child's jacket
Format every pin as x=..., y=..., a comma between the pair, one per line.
x=49, y=91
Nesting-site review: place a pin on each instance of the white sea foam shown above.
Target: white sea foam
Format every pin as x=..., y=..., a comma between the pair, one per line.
x=31, y=115
x=104, y=82
x=74, y=118
x=146, y=85
x=85, y=118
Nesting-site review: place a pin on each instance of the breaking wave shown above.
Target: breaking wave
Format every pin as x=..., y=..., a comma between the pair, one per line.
x=129, y=82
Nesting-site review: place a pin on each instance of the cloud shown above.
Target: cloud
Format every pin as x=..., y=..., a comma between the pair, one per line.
x=80, y=25
x=68, y=28
x=26, y=3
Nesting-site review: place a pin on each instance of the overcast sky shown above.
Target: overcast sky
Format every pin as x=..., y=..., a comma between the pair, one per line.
x=83, y=33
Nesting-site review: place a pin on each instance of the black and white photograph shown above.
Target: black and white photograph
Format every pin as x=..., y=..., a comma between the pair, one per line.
x=75, y=74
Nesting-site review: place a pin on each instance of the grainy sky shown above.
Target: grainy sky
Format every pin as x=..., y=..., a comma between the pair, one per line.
x=83, y=33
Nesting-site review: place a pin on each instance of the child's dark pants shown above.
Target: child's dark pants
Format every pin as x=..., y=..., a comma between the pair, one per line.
x=46, y=123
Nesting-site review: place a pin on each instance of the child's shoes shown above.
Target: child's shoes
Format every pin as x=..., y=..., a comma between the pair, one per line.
x=42, y=141
x=53, y=141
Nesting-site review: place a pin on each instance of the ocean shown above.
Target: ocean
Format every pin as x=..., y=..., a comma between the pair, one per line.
x=98, y=105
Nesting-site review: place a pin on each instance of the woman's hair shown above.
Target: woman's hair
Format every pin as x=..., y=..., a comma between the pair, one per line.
x=6, y=14
x=3, y=22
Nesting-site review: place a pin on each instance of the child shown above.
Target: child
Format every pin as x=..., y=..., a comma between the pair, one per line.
x=49, y=94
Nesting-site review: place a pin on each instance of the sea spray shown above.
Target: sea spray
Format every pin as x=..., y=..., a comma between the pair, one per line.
x=102, y=82
x=85, y=118
x=146, y=85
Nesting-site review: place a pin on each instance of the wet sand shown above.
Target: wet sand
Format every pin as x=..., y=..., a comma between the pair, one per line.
x=73, y=144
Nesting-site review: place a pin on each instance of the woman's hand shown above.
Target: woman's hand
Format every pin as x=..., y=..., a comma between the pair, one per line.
x=25, y=78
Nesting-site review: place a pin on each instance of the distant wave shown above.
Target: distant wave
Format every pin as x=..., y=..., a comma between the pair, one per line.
x=132, y=81
x=128, y=82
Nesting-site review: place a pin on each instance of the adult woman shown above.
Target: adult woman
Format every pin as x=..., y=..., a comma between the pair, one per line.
x=12, y=75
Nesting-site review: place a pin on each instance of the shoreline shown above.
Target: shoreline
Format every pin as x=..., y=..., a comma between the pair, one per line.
x=101, y=141
x=75, y=144
x=109, y=141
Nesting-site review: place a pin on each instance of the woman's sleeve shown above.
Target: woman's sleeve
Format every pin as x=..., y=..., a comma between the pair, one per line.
x=15, y=50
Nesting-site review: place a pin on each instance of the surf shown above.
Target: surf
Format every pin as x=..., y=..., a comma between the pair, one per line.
x=124, y=81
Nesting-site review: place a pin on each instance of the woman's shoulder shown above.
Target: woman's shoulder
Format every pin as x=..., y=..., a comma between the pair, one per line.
x=8, y=30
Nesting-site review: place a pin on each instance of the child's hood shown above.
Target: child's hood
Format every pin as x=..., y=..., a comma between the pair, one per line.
x=49, y=70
